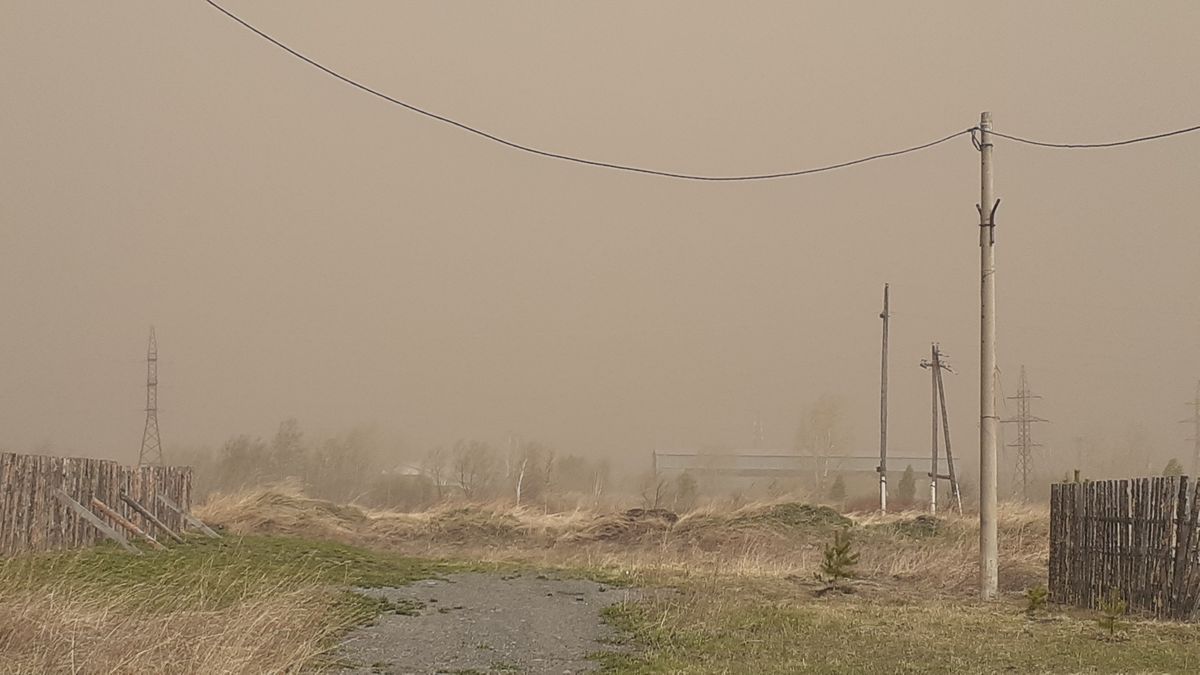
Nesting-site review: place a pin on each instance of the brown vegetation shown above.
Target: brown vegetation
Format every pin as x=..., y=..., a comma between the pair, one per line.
x=907, y=550
x=65, y=625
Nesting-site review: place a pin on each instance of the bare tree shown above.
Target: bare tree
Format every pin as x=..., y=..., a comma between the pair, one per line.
x=655, y=491
x=433, y=465
x=473, y=465
x=521, y=477
x=287, y=452
x=822, y=435
x=547, y=476
x=599, y=480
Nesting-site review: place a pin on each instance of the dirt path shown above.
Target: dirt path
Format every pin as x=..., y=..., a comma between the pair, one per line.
x=486, y=623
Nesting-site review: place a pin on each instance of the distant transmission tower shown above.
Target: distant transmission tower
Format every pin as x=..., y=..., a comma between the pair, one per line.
x=1194, y=420
x=760, y=434
x=1024, y=421
x=151, y=452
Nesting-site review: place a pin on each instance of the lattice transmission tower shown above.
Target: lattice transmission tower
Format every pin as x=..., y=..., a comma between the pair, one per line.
x=1025, y=444
x=151, y=452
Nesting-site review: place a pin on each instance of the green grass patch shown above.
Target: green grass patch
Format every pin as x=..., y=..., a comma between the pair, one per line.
x=719, y=632
x=211, y=574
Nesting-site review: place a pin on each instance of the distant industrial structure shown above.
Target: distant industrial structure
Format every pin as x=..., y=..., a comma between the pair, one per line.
x=745, y=466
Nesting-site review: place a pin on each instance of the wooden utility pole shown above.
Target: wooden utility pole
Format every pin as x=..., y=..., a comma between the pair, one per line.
x=883, y=405
x=937, y=407
x=931, y=364
x=938, y=366
x=989, y=579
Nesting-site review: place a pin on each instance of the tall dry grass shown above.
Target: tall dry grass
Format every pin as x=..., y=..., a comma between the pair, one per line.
x=69, y=627
x=779, y=539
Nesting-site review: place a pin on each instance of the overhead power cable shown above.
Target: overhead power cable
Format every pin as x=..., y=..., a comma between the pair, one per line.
x=570, y=158
x=1111, y=144
x=674, y=174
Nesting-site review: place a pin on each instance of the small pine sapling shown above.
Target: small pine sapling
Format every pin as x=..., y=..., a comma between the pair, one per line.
x=839, y=560
x=1173, y=468
x=837, y=492
x=1112, y=608
x=1035, y=599
x=907, y=490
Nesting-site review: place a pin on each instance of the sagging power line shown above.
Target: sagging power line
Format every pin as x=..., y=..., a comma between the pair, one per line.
x=658, y=172
x=1110, y=144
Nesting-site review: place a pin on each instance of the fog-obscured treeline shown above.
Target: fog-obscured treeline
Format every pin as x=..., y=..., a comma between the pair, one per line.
x=359, y=466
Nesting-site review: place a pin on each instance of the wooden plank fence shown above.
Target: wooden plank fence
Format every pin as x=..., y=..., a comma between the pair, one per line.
x=33, y=519
x=1137, y=536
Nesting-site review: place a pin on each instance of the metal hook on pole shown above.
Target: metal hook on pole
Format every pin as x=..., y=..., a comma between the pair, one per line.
x=990, y=220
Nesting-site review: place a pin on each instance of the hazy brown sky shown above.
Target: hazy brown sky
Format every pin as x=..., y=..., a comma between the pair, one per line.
x=307, y=250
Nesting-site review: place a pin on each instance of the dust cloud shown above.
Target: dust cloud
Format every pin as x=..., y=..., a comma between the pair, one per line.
x=308, y=252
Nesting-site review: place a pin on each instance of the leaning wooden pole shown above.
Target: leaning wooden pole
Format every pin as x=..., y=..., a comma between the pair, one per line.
x=120, y=520
x=103, y=527
x=187, y=517
x=150, y=517
x=941, y=388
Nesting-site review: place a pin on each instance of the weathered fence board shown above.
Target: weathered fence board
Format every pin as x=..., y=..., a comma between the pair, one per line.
x=1137, y=537
x=33, y=519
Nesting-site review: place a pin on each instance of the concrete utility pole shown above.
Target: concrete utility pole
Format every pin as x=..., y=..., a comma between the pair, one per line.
x=989, y=580
x=883, y=406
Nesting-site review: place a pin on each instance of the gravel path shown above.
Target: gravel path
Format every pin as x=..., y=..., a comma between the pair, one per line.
x=486, y=623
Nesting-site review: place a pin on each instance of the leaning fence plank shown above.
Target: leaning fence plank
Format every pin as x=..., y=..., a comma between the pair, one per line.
x=192, y=520
x=95, y=521
x=145, y=513
x=123, y=522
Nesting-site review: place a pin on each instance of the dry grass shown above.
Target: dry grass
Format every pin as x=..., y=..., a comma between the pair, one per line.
x=63, y=628
x=741, y=598
x=257, y=605
x=762, y=540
